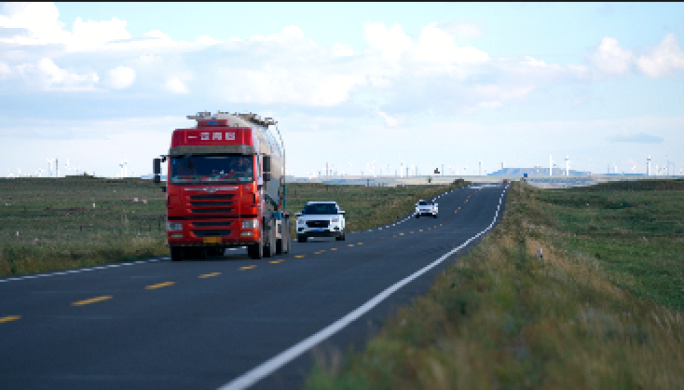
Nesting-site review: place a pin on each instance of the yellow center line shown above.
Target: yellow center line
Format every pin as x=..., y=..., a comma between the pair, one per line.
x=92, y=300
x=394, y=235
x=299, y=256
x=276, y=261
x=420, y=230
x=247, y=267
x=360, y=243
x=401, y=234
x=333, y=249
x=350, y=245
x=411, y=232
x=317, y=253
x=209, y=275
x=160, y=285
x=9, y=318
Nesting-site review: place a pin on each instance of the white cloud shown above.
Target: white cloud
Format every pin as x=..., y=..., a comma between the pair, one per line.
x=609, y=57
x=464, y=28
x=436, y=45
x=176, y=85
x=5, y=70
x=390, y=43
x=340, y=50
x=40, y=19
x=121, y=77
x=92, y=35
x=664, y=58
x=52, y=77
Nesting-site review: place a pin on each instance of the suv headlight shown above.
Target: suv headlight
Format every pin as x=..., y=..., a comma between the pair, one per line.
x=335, y=219
x=174, y=226
x=300, y=222
x=250, y=224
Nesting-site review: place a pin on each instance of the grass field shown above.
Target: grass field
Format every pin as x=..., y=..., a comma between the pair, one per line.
x=599, y=310
x=50, y=224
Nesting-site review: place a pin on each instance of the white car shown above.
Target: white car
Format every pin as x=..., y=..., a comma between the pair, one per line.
x=320, y=219
x=426, y=207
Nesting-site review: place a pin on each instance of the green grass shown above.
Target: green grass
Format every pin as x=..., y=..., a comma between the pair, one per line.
x=635, y=230
x=51, y=224
x=501, y=318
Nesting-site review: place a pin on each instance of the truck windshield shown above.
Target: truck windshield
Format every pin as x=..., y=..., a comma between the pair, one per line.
x=320, y=209
x=212, y=169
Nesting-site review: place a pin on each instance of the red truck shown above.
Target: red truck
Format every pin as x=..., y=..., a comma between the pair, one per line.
x=225, y=187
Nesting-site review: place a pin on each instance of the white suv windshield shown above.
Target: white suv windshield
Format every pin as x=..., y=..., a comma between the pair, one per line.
x=319, y=209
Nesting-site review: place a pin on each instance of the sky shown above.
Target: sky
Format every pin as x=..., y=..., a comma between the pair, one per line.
x=364, y=87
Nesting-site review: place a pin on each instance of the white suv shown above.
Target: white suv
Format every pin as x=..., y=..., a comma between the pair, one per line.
x=426, y=207
x=320, y=219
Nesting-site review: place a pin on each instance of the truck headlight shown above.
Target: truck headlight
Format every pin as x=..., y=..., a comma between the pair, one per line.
x=174, y=226
x=250, y=224
x=335, y=219
x=300, y=222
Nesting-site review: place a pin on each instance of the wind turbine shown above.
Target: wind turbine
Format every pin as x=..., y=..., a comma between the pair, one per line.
x=40, y=171
x=567, y=165
x=122, y=166
x=50, y=163
x=125, y=168
x=550, y=165
x=67, y=167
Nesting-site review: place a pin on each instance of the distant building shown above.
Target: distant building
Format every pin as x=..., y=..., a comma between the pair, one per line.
x=536, y=171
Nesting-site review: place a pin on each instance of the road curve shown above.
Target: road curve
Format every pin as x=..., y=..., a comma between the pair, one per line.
x=229, y=322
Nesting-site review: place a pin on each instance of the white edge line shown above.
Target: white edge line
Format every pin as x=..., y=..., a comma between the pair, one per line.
x=80, y=270
x=266, y=368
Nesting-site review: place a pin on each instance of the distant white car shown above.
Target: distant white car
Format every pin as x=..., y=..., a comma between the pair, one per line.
x=321, y=219
x=426, y=207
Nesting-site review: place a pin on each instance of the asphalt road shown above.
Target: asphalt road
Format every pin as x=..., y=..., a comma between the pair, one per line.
x=217, y=322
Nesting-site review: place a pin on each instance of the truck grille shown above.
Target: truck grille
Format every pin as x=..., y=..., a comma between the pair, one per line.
x=210, y=224
x=211, y=233
x=212, y=197
x=317, y=224
x=199, y=211
x=204, y=204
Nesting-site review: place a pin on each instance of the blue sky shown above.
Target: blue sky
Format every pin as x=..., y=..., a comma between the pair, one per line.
x=363, y=87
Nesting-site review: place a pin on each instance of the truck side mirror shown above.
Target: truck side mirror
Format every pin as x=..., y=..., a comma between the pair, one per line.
x=341, y=212
x=267, y=164
x=156, y=168
x=298, y=214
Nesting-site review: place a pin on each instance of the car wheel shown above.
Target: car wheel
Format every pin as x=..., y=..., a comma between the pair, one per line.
x=301, y=238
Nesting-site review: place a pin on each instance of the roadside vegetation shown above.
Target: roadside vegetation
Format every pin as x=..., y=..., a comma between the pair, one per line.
x=51, y=224
x=600, y=309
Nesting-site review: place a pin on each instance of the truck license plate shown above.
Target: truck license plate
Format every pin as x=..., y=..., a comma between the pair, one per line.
x=212, y=240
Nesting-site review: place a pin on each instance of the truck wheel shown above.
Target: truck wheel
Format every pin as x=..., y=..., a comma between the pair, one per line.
x=301, y=238
x=417, y=215
x=176, y=253
x=270, y=246
x=283, y=244
x=256, y=251
x=435, y=215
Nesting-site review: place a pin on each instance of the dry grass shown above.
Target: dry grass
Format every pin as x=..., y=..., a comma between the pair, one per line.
x=502, y=318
